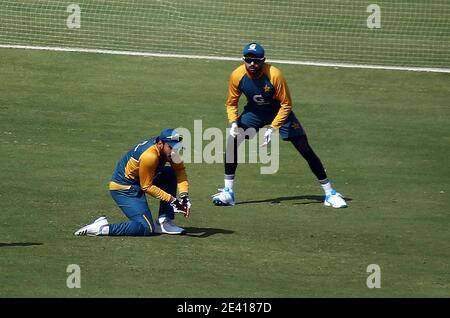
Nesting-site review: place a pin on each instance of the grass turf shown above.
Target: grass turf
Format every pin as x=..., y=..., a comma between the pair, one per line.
x=66, y=119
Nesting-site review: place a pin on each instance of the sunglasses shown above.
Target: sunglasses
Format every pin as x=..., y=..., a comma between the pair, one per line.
x=175, y=137
x=255, y=60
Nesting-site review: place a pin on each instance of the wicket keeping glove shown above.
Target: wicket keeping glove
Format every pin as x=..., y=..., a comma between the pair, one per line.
x=267, y=137
x=179, y=207
x=184, y=197
x=234, y=130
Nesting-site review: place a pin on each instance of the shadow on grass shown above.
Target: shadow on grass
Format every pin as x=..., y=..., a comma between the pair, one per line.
x=204, y=231
x=309, y=199
x=19, y=244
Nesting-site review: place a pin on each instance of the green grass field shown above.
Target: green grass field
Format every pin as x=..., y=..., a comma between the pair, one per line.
x=67, y=118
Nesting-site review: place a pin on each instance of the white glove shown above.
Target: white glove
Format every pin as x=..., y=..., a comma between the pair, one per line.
x=267, y=137
x=234, y=130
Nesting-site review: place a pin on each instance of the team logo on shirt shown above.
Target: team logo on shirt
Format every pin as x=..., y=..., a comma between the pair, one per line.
x=258, y=99
x=266, y=88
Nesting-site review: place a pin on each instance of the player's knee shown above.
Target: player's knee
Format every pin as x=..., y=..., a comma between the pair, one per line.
x=147, y=229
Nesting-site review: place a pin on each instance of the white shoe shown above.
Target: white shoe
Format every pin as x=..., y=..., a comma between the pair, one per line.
x=166, y=225
x=224, y=197
x=94, y=228
x=335, y=200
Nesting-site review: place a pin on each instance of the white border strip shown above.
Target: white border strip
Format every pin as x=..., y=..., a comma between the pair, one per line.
x=223, y=58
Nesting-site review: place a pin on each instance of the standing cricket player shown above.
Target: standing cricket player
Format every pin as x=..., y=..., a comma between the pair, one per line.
x=268, y=103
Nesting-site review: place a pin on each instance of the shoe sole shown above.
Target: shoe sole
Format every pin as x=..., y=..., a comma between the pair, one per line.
x=80, y=233
x=171, y=233
x=220, y=203
x=329, y=205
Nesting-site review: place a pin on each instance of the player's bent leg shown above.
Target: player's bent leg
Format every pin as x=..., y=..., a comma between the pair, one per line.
x=301, y=144
x=332, y=198
x=225, y=196
x=231, y=155
x=249, y=123
x=167, y=181
x=140, y=225
x=130, y=228
x=134, y=205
